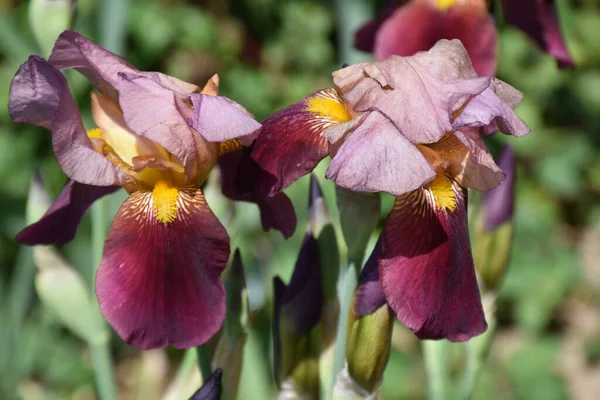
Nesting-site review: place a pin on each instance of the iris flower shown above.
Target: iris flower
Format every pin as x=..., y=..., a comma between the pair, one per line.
x=408, y=26
x=157, y=137
x=411, y=127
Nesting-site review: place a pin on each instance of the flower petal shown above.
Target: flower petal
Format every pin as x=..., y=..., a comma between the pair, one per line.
x=39, y=95
x=426, y=268
x=418, y=26
x=101, y=67
x=538, y=19
x=159, y=284
x=364, y=39
x=480, y=172
x=59, y=224
x=418, y=93
x=290, y=143
x=156, y=113
x=218, y=119
x=489, y=111
x=499, y=203
x=369, y=295
x=239, y=173
x=376, y=157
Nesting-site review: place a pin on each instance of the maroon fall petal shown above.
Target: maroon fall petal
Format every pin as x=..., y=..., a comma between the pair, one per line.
x=364, y=39
x=60, y=222
x=290, y=143
x=159, y=284
x=239, y=177
x=538, y=18
x=39, y=95
x=427, y=271
x=418, y=26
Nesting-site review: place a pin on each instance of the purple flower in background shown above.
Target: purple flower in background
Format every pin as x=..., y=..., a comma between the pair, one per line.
x=411, y=127
x=158, y=283
x=408, y=26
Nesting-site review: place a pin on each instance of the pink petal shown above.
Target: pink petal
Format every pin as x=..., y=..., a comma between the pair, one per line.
x=418, y=93
x=376, y=157
x=39, y=95
x=59, y=224
x=538, y=19
x=290, y=143
x=218, y=119
x=159, y=284
x=158, y=114
x=480, y=171
x=426, y=268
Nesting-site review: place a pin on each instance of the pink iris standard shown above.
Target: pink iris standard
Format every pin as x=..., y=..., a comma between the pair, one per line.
x=411, y=127
x=158, y=137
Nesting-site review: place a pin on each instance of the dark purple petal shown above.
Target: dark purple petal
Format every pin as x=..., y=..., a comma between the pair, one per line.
x=418, y=26
x=302, y=300
x=239, y=177
x=211, y=389
x=40, y=95
x=498, y=204
x=369, y=295
x=59, y=224
x=376, y=157
x=159, y=284
x=364, y=39
x=218, y=119
x=426, y=268
x=538, y=19
x=290, y=143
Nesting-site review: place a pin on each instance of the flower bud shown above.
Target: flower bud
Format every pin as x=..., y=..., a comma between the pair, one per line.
x=48, y=19
x=296, y=328
x=368, y=345
x=495, y=226
x=229, y=352
x=211, y=389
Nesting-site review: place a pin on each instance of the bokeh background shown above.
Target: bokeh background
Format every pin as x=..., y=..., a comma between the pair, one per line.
x=269, y=54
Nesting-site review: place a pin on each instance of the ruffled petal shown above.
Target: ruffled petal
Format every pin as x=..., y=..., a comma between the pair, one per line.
x=59, y=224
x=218, y=119
x=426, y=268
x=158, y=114
x=418, y=26
x=159, y=284
x=538, y=19
x=239, y=174
x=101, y=67
x=376, y=157
x=291, y=143
x=418, y=94
x=39, y=95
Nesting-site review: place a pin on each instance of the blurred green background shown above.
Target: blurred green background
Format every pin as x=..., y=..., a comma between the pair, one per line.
x=269, y=54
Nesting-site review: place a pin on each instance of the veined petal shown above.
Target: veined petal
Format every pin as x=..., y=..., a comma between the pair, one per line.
x=239, y=176
x=419, y=93
x=291, y=143
x=417, y=26
x=376, y=157
x=479, y=172
x=538, y=19
x=426, y=267
x=101, y=67
x=59, y=224
x=156, y=113
x=40, y=95
x=159, y=283
x=218, y=119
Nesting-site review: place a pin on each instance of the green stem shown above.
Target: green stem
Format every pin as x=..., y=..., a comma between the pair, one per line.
x=349, y=280
x=204, y=362
x=436, y=363
x=102, y=362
